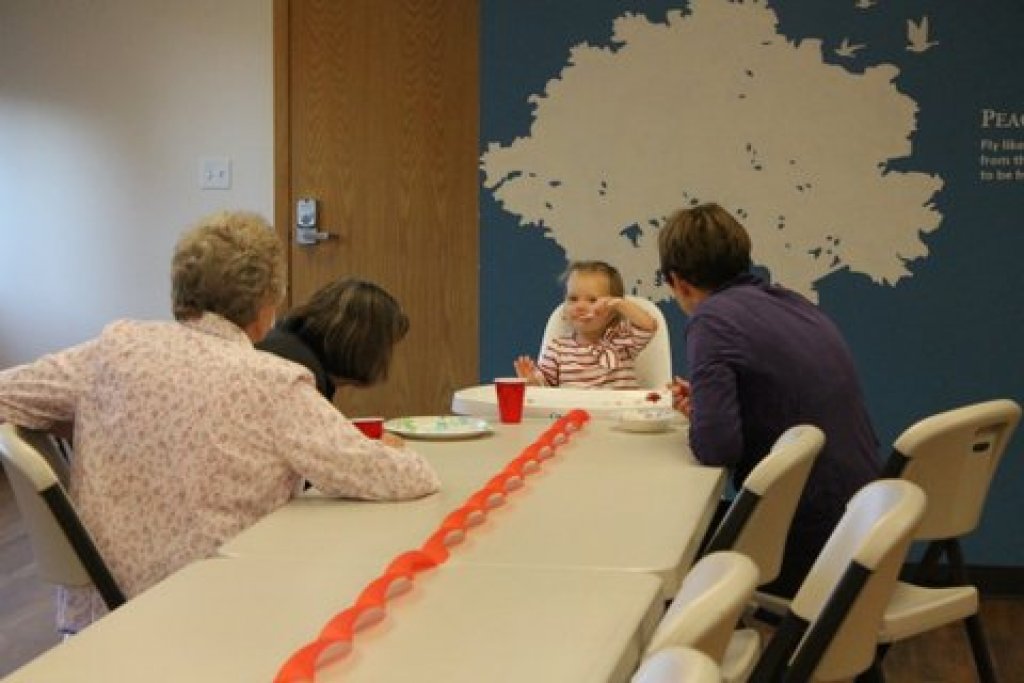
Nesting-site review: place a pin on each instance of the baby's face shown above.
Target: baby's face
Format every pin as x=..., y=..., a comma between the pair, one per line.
x=582, y=290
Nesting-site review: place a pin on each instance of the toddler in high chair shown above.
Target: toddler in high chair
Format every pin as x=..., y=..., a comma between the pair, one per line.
x=609, y=331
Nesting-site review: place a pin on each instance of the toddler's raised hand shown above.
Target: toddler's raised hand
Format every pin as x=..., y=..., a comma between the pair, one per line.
x=605, y=304
x=528, y=370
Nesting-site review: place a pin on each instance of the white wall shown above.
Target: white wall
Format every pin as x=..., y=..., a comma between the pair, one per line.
x=105, y=110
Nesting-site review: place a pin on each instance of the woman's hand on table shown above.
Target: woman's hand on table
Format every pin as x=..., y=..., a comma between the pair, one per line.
x=393, y=440
x=680, y=389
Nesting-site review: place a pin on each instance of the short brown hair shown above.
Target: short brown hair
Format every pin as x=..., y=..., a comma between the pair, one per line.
x=615, y=286
x=231, y=264
x=705, y=246
x=352, y=326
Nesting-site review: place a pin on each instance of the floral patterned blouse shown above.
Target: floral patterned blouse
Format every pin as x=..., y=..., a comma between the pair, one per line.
x=185, y=435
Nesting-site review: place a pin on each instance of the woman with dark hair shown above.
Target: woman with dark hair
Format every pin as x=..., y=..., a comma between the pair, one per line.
x=344, y=334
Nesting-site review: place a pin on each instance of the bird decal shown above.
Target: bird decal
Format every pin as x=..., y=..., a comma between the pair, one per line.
x=848, y=50
x=917, y=36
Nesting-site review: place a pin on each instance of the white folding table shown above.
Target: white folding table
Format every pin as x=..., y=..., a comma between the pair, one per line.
x=240, y=619
x=608, y=499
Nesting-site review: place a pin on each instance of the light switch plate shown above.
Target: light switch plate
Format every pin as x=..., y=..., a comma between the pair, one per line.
x=215, y=173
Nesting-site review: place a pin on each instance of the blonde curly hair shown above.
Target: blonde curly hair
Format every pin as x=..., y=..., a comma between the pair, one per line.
x=231, y=264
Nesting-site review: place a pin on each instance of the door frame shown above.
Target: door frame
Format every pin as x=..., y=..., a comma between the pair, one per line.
x=281, y=136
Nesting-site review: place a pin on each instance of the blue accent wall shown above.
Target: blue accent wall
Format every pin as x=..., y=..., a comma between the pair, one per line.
x=951, y=334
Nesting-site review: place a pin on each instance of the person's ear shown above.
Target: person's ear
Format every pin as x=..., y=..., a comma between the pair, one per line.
x=674, y=282
x=265, y=318
x=685, y=294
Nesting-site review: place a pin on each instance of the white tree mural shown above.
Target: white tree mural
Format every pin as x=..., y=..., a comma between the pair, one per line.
x=716, y=105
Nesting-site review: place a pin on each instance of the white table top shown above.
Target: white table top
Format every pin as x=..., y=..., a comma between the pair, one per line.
x=240, y=619
x=608, y=499
x=482, y=401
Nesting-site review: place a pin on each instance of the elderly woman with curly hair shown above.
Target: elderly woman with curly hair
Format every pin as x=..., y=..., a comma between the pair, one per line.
x=183, y=433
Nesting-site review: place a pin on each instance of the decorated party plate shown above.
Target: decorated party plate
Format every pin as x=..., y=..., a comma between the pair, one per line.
x=438, y=427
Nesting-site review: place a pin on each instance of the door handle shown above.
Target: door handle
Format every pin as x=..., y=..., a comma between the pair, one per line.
x=307, y=223
x=309, y=236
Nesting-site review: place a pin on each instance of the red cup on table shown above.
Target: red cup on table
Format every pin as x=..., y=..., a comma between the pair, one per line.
x=372, y=427
x=511, y=396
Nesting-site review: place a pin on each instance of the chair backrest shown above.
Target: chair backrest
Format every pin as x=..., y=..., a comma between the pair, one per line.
x=678, y=665
x=64, y=552
x=831, y=630
x=653, y=364
x=708, y=605
x=952, y=456
x=54, y=451
x=758, y=520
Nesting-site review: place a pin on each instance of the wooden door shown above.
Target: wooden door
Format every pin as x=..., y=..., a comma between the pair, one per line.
x=376, y=116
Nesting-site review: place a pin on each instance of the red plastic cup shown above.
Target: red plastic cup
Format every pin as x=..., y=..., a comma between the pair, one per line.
x=511, y=395
x=373, y=427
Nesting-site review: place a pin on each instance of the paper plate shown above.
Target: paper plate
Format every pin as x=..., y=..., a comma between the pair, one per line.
x=438, y=427
x=646, y=419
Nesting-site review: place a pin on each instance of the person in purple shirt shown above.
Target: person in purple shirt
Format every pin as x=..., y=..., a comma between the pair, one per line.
x=763, y=359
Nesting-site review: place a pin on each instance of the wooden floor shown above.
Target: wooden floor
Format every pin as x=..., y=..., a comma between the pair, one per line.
x=943, y=656
x=26, y=603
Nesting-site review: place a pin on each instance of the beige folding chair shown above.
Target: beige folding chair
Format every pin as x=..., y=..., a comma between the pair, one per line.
x=677, y=665
x=952, y=456
x=56, y=452
x=831, y=628
x=758, y=519
x=65, y=553
x=653, y=364
x=704, y=613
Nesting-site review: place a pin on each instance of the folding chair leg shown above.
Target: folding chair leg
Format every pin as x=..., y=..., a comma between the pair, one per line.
x=976, y=634
x=880, y=651
x=979, y=648
x=929, y=563
x=956, y=563
x=874, y=674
